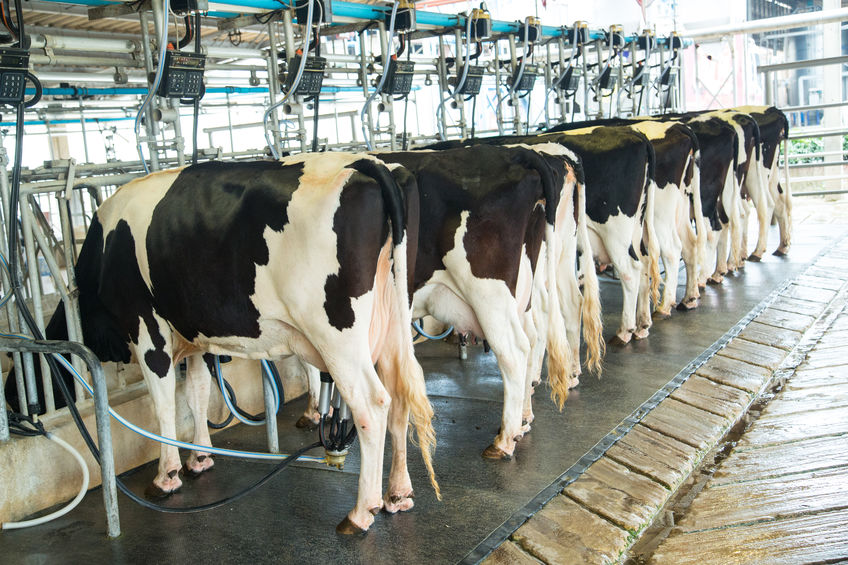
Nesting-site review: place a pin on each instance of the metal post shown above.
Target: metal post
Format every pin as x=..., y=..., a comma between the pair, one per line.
x=499, y=107
x=72, y=306
x=84, y=136
x=101, y=412
x=363, y=68
x=37, y=306
x=561, y=92
x=460, y=63
x=585, y=66
x=151, y=129
x=229, y=125
x=11, y=312
x=441, y=67
x=600, y=57
x=273, y=83
x=177, y=124
x=731, y=40
x=270, y=412
x=513, y=92
x=386, y=104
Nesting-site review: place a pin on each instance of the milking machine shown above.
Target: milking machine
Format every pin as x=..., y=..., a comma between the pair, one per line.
x=608, y=80
x=667, y=81
x=401, y=73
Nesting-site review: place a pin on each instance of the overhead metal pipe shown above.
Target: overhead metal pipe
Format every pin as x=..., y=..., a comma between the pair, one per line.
x=771, y=24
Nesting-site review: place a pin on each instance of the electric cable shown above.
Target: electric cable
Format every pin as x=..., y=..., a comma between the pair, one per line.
x=267, y=116
x=382, y=81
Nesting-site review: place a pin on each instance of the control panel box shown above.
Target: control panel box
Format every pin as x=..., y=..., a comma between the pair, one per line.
x=399, y=78
x=183, y=75
x=313, y=75
x=528, y=78
x=13, y=70
x=473, y=81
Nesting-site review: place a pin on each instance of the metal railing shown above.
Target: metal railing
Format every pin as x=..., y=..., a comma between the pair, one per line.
x=101, y=414
x=769, y=73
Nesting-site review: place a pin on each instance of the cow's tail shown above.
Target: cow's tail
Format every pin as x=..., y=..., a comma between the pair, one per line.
x=590, y=309
x=650, y=234
x=559, y=353
x=410, y=375
x=698, y=213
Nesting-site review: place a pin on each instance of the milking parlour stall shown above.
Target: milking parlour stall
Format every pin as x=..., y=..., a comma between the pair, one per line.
x=433, y=281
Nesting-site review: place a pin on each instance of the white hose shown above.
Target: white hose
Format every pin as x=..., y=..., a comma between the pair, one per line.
x=163, y=48
x=176, y=443
x=382, y=77
x=71, y=505
x=296, y=82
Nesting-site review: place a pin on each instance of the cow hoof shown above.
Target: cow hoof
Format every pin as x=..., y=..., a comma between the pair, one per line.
x=155, y=492
x=690, y=304
x=641, y=334
x=715, y=280
x=617, y=340
x=779, y=253
x=497, y=453
x=754, y=258
x=193, y=468
x=348, y=528
x=398, y=503
x=659, y=315
x=306, y=423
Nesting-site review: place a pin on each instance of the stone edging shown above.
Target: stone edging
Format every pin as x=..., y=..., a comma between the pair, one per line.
x=597, y=509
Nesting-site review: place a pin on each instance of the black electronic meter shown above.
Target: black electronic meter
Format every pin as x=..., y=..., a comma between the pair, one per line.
x=473, y=81
x=399, y=77
x=312, y=78
x=569, y=80
x=528, y=79
x=182, y=76
x=13, y=70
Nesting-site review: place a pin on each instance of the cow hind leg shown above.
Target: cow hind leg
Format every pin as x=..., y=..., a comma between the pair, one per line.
x=369, y=403
x=511, y=347
x=159, y=374
x=198, y=383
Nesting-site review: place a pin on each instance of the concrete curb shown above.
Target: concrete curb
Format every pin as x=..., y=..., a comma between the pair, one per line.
x=601, y=513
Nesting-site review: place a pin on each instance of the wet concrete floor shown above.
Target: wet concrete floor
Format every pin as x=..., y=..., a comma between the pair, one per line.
x=292, y=519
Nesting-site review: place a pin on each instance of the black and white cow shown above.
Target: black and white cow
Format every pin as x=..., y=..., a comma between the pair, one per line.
x=305, y=257
x=774, y=128
x=678, y=203
x=749, y=181
x=719, y=146
x=618, y=164
x=487, y=215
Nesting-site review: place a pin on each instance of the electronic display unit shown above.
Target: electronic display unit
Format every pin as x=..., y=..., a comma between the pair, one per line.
x=14, y=64
x=182, y=76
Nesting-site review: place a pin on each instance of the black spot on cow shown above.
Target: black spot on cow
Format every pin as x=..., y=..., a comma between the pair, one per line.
x=371, y=192
x=632, y=252
x=498, y=187
x=360, y=204
x=158, y=361
x=206, y=237
x=614, y=162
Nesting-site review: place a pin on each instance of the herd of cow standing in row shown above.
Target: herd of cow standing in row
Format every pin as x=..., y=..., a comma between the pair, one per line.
x=319, y=256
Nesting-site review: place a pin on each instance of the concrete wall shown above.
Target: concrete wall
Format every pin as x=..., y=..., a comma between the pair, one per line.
x=36, y=474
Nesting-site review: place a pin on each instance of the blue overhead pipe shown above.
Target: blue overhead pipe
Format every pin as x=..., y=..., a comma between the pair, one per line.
x=371, y=12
